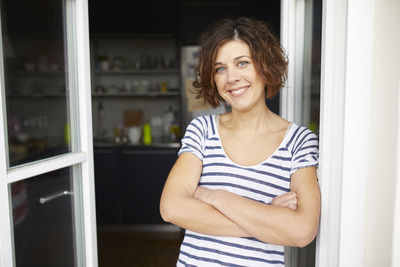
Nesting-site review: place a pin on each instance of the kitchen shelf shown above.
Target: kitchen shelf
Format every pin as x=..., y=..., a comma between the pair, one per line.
x=22, y=72
x=37, y=95
x=138, y=94
x=138, y=71
x=129, y=36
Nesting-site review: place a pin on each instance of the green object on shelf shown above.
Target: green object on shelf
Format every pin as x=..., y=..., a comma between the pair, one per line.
x=147, y=134
x=67, y=133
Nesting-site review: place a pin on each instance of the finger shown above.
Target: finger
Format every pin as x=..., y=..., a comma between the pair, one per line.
x=290, y=194
x=284, y=197
x=286, y=202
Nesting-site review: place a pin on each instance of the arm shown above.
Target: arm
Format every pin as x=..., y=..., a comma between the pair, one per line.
x=180, y=207
x=269, y=223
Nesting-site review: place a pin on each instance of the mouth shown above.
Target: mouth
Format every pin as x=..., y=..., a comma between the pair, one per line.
x=238, y=91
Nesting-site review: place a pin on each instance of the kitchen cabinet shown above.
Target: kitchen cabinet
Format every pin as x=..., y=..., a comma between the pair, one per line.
x=107, y=186
x=133, y=17
x=129, y=181
x=144, y=172
x=193, y=13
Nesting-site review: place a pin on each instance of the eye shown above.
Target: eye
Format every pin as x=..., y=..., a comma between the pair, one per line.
x=219, y=69
x=243, y=63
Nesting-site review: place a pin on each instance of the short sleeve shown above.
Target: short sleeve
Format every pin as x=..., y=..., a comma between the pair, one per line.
x=193, y=140
x=305, y=151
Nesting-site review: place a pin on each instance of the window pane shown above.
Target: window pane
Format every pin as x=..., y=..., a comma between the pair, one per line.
x=43, y=220
x=311, y=92
x=312, y=64
x=35, y=79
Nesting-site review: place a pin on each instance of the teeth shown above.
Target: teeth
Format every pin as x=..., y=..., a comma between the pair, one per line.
x=238, y=91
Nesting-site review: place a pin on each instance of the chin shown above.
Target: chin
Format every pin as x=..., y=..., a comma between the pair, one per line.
x=241, y=108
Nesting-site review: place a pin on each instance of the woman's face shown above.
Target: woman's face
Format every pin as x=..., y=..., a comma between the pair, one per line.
x=236, y=78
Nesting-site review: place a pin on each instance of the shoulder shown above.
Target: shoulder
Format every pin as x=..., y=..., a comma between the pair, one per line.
x=202, y=121
x=299, y=136
x=203, y=125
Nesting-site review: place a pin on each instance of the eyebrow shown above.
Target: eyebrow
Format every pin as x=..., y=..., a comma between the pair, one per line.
x=236, y=58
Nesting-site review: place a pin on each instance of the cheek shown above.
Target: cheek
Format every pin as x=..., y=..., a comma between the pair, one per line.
x=219, y=87
x=219, y=83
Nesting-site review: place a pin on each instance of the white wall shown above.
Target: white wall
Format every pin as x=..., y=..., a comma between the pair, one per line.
x=383, y=169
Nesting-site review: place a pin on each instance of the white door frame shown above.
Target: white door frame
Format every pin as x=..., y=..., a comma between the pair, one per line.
x=346, y=88
x=396, y=224
x=86, y=132
x=84, y=155
x=333, y=62
x=347, y=41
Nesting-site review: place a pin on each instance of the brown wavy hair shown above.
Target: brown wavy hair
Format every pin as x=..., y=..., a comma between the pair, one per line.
x=267, y=54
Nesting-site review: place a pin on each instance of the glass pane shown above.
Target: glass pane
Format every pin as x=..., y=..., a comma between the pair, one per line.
x=43, y=216
x=312, y=64
x=35, y=79
x=311, y=92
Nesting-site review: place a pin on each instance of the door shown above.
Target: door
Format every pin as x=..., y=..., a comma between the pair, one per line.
x=301, y=31
x=47, y=213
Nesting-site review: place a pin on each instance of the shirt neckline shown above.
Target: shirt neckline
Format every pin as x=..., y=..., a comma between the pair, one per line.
x=216, y=120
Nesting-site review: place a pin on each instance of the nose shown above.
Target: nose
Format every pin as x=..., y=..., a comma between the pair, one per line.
x=233, y=76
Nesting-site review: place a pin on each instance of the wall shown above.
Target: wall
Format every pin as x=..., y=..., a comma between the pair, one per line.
x=383, y=169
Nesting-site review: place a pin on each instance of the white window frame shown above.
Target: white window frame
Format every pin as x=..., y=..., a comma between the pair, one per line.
x=292, y=40
x=84, y=156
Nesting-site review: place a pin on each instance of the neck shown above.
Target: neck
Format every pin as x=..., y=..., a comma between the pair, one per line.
x=252, y=120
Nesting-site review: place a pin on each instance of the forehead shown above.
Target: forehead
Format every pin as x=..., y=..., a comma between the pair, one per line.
x=232, y=49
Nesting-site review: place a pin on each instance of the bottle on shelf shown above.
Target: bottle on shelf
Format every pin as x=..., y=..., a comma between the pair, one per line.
x=168, y=121
x=147, y=134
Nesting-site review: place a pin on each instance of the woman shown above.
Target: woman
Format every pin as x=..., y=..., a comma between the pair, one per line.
x=245, y=183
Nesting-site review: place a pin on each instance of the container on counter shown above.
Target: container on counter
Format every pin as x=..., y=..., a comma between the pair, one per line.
x=147, y=134
x=156, y=128
x=134, y=134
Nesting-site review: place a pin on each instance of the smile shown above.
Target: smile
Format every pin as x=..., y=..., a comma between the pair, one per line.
x=238, y=91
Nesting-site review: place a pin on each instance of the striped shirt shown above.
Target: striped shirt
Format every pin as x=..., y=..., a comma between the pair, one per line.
x=261, y=182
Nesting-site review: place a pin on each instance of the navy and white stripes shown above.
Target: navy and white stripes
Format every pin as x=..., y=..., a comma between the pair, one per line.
x=261, y=182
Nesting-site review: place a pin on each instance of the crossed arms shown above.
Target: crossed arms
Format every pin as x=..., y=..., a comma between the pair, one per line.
x=291, y=220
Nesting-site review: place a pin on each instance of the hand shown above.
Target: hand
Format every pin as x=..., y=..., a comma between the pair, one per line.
x=288, y=200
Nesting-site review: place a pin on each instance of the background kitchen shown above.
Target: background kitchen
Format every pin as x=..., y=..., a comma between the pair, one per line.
x=143, y=54
x=142, y=57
